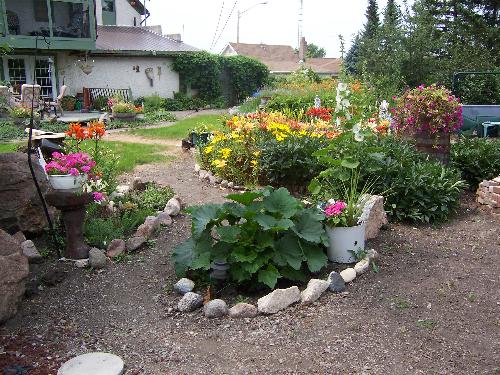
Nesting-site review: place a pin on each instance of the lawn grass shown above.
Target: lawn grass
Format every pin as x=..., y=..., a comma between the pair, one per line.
x=181, y=128
x=132, y=154
x=8, y=147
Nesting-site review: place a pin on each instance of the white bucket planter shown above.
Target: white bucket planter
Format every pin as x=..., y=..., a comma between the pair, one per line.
x=343, y=240
x=67, y=182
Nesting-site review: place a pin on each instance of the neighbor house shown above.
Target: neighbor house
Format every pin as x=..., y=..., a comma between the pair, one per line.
x=87, y=43
x=282, y=59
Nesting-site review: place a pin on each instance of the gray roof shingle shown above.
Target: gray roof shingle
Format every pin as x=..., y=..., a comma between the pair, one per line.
x=133, y=38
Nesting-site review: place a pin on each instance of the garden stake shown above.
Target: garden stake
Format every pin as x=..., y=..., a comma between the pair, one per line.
x=30, y=162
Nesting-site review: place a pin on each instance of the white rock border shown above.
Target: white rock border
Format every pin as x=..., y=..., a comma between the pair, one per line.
x=209, y=177
x=313, y=291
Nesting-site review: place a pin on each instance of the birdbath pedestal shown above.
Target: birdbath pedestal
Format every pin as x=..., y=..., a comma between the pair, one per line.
x=72, y=207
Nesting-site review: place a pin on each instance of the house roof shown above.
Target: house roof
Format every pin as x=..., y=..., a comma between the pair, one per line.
x=133, y=38
x=284, y=59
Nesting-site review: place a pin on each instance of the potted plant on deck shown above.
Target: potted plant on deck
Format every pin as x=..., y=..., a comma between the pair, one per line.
x=21, y=116
x=429, y=114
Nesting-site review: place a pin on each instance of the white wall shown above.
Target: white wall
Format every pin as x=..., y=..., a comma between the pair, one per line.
x=117, y=72
x=125, y=14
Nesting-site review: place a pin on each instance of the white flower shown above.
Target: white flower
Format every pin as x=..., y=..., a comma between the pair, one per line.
x=348, y=116
x=356, y=128
x=337, y=121
x=341, y=86
x=346, y=103
x=359, y=137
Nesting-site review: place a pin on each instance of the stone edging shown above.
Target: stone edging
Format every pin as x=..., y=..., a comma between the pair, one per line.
x=275, y=301
x=488, y=195
x=208, y=176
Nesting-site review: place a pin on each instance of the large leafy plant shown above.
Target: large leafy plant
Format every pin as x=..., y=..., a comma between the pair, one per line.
x=263, y=236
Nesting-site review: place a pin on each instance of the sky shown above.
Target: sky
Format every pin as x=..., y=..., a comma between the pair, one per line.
x=273, y=23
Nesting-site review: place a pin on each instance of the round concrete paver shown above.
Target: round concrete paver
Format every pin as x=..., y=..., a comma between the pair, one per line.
x=93, y=364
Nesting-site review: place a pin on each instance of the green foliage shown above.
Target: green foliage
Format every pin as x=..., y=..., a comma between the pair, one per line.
x=477, y=159
x=99, y=103
x=200, y=70
x=160, y=115
x=315, y=51
x=289, y=163
x=8, y=131
x=246, y=75
x=154, y=197
x=416, y=189
x=151, y=103
x=68, y=103
x=269, y=236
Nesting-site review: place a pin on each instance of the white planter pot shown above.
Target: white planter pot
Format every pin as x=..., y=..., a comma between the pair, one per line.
x=67, y=182
x=343, y=240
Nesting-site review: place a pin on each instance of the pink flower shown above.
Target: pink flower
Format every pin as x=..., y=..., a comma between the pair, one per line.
x=86, y=169
x=335, y=209
x=98, y=196
x=74, y=172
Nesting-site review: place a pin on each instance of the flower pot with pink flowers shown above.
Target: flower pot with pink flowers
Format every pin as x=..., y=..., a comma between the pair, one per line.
x=345, y=230
x=69, y=172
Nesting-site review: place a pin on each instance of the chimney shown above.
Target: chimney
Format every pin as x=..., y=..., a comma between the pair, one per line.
x=176, y=37
x=302, y=49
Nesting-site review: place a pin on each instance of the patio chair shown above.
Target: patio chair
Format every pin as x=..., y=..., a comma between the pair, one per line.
x=30, y=94
x=58, y=103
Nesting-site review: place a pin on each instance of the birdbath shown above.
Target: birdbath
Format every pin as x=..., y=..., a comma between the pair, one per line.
x=72, y=206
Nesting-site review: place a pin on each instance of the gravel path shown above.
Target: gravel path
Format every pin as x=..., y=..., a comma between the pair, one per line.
x=433, y=308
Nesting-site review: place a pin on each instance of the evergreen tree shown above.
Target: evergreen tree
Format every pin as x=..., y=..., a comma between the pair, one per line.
x=372, y=20
x=352, y=56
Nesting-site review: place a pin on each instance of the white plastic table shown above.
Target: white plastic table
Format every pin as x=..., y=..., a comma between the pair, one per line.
x=489, y=124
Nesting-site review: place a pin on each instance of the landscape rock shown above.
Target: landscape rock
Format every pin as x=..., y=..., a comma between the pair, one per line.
x=164, y=219
x=203, y=174
x=53, y=277
x=212, y=179
x=97, y=258
x=374, y=216
x=230, y=185
x=93, y=363
x=362, y=266
x=190, y=302
x=215, y=308
x=197, y=168
x=150, y=226
x=133, y=243
x=122, y=189
x=82, y=263
x=30, y=251
x=115, y=248
x=337, y=283
x=137, y=184
x=14, y=272
x=184, y=286
x=20, y=206
x=218, y=180
x=278, y=299
x=173, y=207
x=349, y=274
x=224, y=183
x=314, y=290
x=19, y=237
x=243, y=310
x=372, y=254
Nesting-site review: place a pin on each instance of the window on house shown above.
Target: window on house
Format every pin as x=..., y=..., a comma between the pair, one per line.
x=27, y=17
x=108, y=5
x=70, y=19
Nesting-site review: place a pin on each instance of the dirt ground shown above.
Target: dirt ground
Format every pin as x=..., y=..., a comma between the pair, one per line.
x=434, y=308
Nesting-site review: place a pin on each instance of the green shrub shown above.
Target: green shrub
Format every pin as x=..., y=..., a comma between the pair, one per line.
x=158, y=116
x=284, y=101
x=152, y=103
x=477, y=159
x=416, y=189
x=9, y=131
x=290, y=162
x=154, y=197
x=100, y=103
x=269, y=236
x=68, y=103
x=246, y=75
x=99, y=232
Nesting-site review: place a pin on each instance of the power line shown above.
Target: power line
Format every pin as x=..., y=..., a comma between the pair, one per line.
x=218, y=23
x=227, y=20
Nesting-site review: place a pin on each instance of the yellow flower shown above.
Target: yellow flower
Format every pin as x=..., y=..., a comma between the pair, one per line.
x=257, y=153
x=254, y=163
x=219, y=163
x=208, y=149
x=225, y=152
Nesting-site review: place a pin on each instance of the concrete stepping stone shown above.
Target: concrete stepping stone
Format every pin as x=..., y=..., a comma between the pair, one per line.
x=93, y=363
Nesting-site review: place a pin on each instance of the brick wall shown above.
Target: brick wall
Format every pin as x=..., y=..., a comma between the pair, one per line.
x=488, y=195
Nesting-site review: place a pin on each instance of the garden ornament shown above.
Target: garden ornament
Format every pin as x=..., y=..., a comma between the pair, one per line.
x=317, y=102
x=150, y=74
